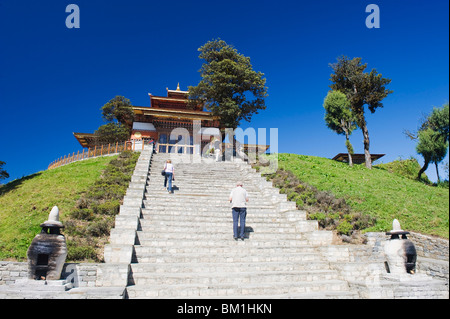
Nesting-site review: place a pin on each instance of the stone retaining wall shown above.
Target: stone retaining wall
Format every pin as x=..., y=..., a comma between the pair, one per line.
x=430, y=247
x=12, y=271
x=81, y=275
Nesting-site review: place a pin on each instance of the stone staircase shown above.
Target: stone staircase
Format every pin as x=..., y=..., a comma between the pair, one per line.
x=184, y=246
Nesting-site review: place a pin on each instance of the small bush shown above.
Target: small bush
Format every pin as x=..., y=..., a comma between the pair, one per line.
x=107, y=208
x=344, y=228
x=99, y=228
x=82, y=214
x=80, y=252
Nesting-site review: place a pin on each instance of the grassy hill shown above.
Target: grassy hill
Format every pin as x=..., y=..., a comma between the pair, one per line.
x=384, y=193
x=25, y=203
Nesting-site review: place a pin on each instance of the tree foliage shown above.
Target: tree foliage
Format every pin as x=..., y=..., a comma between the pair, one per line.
x=433, y=147
x=112, y=133
x=3, y=174
x=119, y=114
x=433, y=138
x=118, y=109
x=439, y=121
x=229, y=88
x=362, y=89
x=340, y=118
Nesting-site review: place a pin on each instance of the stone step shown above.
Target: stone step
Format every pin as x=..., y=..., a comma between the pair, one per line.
x=219, y=234
x=235, y=290
x=75, y=293
x=205, y=188
x=242, y=278
x=223, y=213
x=173, y=200
x=187, y=211
x=230, y=257
x=161, y=195
x=218, y=242
x=252, y=225
x=218, y=209
x=224, y=219
x=239, y=248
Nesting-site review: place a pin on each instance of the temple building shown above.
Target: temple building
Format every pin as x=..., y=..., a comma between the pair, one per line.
x=171, y=122
x=165, y=114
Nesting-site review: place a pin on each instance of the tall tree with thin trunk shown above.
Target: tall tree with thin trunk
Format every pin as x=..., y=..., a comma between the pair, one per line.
x=362, y=89
x=433, y=147
x=339, y=118
x=433, y=138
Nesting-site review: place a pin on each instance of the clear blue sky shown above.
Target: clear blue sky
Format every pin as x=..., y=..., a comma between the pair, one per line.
x=54, y=80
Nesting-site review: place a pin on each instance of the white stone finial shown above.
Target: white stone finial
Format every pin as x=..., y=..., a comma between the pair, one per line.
x=54, y=215
x=53, y=218
x=396, y=226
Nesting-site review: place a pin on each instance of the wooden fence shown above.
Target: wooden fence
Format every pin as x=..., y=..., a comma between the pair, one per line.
x=101, y=150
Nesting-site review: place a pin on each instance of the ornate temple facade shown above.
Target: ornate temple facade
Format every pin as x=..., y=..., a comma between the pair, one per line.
x=172, y=120
x=175, y=126
x=169, y=120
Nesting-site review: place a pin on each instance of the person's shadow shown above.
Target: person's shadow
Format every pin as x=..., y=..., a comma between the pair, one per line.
x=247, y=231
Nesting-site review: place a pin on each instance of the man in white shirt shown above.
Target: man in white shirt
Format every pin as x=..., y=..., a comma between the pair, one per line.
x=238, y=200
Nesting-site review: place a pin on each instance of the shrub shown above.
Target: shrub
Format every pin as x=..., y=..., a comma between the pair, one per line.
x=344, y=228
x=99, y=228
x=80, y=252
x=82, y=214
x=107, y=208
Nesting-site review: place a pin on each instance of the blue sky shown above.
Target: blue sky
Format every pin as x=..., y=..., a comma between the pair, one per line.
x=54, y=80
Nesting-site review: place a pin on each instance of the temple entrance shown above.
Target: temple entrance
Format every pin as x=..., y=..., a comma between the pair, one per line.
x=179, y=145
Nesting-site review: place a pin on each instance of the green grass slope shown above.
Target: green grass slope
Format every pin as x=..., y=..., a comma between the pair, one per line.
x=378, y=192
x=26, y=203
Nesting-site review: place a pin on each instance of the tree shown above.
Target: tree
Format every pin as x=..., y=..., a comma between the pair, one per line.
x=229, y=88
x=120, y=115
x=119, y=109
x=433, y=147
x=339, y=118
x=3, y=174
x=439, y=121
x=433, y=138
x=361, y=89
x=111, y=133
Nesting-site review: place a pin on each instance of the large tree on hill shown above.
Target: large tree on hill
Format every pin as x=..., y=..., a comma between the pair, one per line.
x=433, y=147
x=439, y=121
x=3, y=174
x=362, y=89
x=433, y=138
x=339, y=118
x=229, y=88
x=119, y=114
